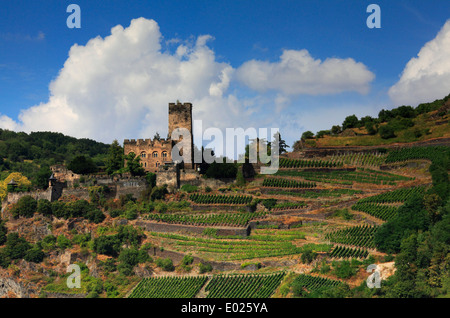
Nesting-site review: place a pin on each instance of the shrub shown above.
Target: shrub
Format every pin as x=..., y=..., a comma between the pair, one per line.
x=166, y=264
x=63, y=242
x=203, y=268
x=44, y=207
x=189, y=188
x=25, y=206
x=35, y=255
x=107, y=245
x=386, y=132
x=16, y=246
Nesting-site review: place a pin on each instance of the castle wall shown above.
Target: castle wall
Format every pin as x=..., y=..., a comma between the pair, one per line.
x=152, y=153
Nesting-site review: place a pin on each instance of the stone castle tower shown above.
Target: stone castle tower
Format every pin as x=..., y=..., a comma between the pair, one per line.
x=155, y=153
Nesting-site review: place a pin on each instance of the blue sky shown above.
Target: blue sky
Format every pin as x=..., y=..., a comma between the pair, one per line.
x=243, y=41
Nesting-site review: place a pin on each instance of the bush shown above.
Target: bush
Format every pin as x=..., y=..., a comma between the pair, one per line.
x=308, y=256
x=35, y=255
x=203, y=268
x=107, y=245
x=44, y=207
x=16, y=247
x=166, y=264
x=25, y=206
x=343, y=269
x=386, y=132
x=63, y=242
x=189, y=188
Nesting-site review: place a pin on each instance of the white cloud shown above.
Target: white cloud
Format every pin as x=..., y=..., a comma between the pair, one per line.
x=427, y=76
x=299, y=73
x=119, y=86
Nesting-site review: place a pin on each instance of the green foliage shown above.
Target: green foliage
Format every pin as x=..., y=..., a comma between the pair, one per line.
x=82, y=165
x=343, y=269
x=63, y=242
x=158, y=193
x=318, y=287
x=114, y=161
x=308, y=135
x=350, y=122
x=204, y=268
x=3, y=232
x=386, y=132
x=189, y=188
x=133, y=165
x=166, y=264
x=244, y=286
x=35, y=255
x=25, y=207
x=107, y=245
x=411, y=217
x=308, y=256
x=222, y=170
x=44, y=207
x=16, y=246
x=169, y=287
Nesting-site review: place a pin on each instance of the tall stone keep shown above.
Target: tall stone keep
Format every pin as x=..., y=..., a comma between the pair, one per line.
x=180, y=116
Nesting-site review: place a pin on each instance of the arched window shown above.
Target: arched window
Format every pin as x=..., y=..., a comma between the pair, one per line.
x=143, y=155
x=164, y=154
x=155, y=154
x=145, y=164
x=157, y=164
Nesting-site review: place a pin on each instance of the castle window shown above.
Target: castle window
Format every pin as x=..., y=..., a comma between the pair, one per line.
x=157, y=164
x=164, y=154
x=145, y=164
x=143, y=155
x=155, y=154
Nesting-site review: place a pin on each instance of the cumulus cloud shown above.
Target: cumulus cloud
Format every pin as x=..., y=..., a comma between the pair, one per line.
x=427, y=76
x=119, y=86
x=298, y=72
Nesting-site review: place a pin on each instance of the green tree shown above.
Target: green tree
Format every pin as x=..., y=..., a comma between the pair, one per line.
x=82, y=165
x=133, y=165
x=386, y=132
x=25, y=206
x=16, y=246
x=114, y=161
x=350, y=122
x=308, y=135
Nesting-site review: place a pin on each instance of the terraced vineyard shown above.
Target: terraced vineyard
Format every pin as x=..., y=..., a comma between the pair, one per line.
x=347, y=177
x=361, y=236
x=286, y=183
x=168, y=287
x=314, y=283
x=360, y=159
x=267, y=244
x=223, y=219
x=220, y=199
x=243, y=286
x=313, y=194
x=433, y=153
x=380, y=211
x=299, y=163
x=399, y=195
x=348, y=252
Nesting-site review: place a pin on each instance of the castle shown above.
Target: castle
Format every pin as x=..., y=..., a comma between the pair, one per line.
x=157, y=153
